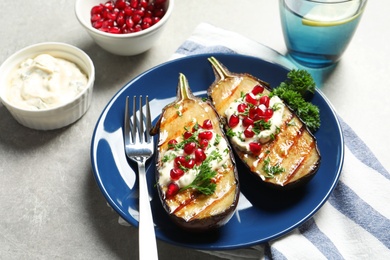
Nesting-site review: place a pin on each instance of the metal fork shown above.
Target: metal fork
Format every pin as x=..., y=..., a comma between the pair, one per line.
x=139, y=148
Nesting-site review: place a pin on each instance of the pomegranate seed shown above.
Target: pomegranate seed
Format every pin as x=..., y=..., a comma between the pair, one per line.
x=97, y=24
x=148, y=14
x=114, y=30
x=120, y=20
x=206, y=135
x=109, y=5
x=233, y=121
x=137, y=28
x=250, y=98
x=200, y=156
x=252, y=113
x=107, y=24
x=120, y=4
x=105, y=14
x=140, y=12
x=207, y=124
x=187, y=135
x=247, y=121
x=134, y=3
x=268, y=113
x=172, y=190
x=145, y=25
x=143, y=3
x=255, y=148
x=261, y=110
x=179, y=161
x=257, y=89
x=136, y=18
x=147, y=20
x=159, y=13
x=155, y=20
x=264, y=100
x=124, y=29
x=257, y=114
x=190, y=163
x=189, y=148
x=248, y=132
x=176, y=173
x=128, y=11
x=203, y=143
x=150, y=7
x=111, y=16
x=95, y=17
x=242, y=107
x=172, y=143
x=97, y=9
x=129, y=23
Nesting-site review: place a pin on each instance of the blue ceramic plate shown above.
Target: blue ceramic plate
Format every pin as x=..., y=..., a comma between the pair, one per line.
x=261, y=214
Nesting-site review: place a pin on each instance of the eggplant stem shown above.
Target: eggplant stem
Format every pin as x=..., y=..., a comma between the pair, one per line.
x=220, y=70
x=183, y=90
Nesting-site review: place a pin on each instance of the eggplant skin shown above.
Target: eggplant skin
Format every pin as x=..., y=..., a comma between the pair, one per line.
x=189, y=209
x=207, y=223
x=203, y=225
x=294, y=148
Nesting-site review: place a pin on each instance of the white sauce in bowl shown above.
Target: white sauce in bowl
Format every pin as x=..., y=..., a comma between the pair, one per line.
x=44, y=82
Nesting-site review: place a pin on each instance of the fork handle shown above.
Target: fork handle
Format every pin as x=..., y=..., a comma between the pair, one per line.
x=147, y=236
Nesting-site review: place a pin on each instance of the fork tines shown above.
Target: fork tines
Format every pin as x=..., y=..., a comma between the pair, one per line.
x=140, y=124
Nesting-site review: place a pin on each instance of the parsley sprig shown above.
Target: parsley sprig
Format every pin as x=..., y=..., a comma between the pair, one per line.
x=293, y=91
x=181, y=144
x=272, y=170
x=203, y=180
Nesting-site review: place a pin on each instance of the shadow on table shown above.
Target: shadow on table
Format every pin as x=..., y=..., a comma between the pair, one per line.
x=23, y=139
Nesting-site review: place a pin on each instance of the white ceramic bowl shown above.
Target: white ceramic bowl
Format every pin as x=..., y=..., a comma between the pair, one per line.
x=121, y=44
x=62, y=115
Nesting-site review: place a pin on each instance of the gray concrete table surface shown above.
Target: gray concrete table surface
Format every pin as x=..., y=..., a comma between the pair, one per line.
x=51, y=207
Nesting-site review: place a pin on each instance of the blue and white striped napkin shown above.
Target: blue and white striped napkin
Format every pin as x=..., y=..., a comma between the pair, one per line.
x=355, y=222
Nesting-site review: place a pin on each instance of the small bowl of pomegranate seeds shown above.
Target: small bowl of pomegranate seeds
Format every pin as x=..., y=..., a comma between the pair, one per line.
x=124, y=27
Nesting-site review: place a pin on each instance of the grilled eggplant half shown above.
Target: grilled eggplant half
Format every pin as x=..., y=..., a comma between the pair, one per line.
x=266, y=135
x=196, y=174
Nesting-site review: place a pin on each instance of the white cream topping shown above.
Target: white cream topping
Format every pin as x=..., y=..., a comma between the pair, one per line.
x=44, y=82
x=189, y=176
